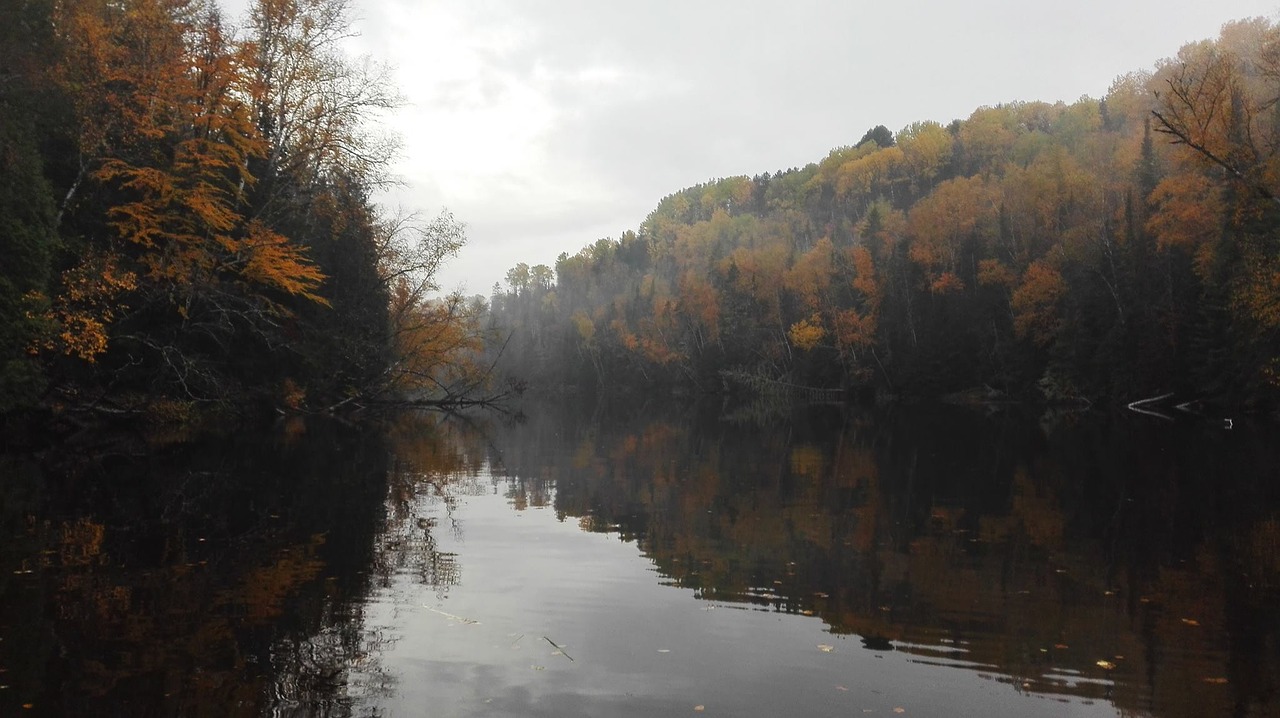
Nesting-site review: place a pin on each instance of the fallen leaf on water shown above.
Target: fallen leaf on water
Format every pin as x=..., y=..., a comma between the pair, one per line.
x=842, y=688
x=1106, y=665
x=1216, y=681
x=1191, y=622
x=899, y=710
x=806, y=612
x=1061, y=646
x=699, y=708
x=826, y=648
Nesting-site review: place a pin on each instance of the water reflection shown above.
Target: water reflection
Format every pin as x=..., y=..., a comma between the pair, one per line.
x=318, y=569
x=219, y=577
x=1118, y=561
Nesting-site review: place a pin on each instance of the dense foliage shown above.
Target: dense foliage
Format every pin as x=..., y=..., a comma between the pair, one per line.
x=185, y=215
x=1104, y=249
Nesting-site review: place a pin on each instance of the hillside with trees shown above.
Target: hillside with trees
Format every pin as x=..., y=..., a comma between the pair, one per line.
x=1105, y=250
x=186, y=216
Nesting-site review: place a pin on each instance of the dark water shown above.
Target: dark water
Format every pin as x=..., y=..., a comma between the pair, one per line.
x=595, y=560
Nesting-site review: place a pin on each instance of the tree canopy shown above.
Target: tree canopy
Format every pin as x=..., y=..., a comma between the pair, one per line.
x=1055, y=250
x=187, y=215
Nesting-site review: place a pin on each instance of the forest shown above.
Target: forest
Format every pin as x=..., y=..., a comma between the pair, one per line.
x=187, y=218
x=1101, y=251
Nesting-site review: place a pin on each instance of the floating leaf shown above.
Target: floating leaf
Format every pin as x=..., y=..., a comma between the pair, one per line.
x=826, y=647
x=1191, y=622
x=842, y=688
x=899, y=709
x=1216, y=681
x=1106, y=665
x=699, y=708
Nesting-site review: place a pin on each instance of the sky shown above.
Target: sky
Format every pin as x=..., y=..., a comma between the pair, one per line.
x=544, y=125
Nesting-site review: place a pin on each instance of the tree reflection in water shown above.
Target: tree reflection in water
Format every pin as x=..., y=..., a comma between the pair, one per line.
x=222, y=576
x=433, y=461
x=1102, y=559
x=234, y=576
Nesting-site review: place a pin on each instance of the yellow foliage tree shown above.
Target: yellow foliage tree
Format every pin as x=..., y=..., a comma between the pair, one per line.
x=1035, y=303
x=175, y=149
x=806, y=334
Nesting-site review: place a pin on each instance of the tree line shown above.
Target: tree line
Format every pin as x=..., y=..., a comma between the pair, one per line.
x=1106, y=249
x=186, y=216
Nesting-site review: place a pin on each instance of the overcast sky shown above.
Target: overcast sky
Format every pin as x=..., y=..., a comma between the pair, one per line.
x=547, y=124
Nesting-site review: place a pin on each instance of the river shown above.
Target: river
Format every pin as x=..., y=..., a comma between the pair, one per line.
x=563, y=559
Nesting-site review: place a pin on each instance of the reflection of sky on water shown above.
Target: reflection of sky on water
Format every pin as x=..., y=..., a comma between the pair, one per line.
x=638, y=647
x=1099, y=562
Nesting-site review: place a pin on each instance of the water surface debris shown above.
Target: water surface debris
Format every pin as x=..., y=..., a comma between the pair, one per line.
x=558, y=648
x=453, y=617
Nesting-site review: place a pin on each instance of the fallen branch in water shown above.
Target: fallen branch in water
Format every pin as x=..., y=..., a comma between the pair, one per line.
x=558, y=648
x=1152, y=400
x=1137, y=406
x=468, y=621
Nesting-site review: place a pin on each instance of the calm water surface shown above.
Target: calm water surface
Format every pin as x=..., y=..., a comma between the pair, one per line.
x=594, y=560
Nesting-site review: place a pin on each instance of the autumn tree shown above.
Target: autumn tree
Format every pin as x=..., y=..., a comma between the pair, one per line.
x=311, y=102
x=211, y=200
x=170, y=175
x=1217, y=101
x=1054, y=250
